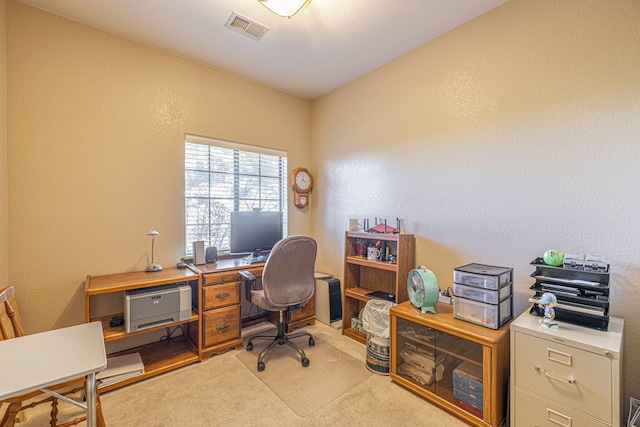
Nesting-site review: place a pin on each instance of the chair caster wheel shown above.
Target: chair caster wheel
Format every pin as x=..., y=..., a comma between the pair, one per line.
x=305, y=362
x=312, y=342
x=249, y=346
x=261, y=366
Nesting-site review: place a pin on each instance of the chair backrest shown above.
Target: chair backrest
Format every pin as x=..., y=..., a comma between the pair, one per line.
x=10, y=322
x=288, y=276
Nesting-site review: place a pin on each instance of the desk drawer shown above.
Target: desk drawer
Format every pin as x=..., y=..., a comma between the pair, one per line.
x=569, y=376
x=216, y=278
x=229, y=276
x=221, y=325
x=302, y=313
x=532, y=410
x=220, y=295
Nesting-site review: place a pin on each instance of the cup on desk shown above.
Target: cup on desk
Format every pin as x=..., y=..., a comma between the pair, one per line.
x=373, y=253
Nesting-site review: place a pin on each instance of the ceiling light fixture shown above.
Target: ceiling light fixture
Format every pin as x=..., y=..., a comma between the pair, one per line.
x=285, y=8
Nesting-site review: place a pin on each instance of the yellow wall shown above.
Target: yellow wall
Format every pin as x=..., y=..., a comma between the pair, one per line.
x=512, y=134
x=509, y=135
x=96, y=153
x=4, y=245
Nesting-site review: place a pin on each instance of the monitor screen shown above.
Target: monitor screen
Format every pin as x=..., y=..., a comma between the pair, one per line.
x=255, y=231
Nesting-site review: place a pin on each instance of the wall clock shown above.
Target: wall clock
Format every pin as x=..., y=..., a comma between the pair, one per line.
x=302, y=183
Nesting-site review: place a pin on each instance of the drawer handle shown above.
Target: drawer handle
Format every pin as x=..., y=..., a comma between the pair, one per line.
x=558, y=356
x=563, y=421
x=222, y=295
x=222, y=326
x=570, y=380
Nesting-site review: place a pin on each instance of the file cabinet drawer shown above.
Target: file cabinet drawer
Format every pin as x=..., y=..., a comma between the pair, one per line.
x=221, y=325
x=533, y=410
x=221, y=295
x=565, y=374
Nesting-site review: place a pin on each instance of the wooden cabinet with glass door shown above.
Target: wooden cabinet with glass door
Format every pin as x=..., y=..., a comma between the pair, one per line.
x=459, y=366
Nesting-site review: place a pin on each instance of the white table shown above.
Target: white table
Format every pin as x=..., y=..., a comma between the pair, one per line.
x=37, y=361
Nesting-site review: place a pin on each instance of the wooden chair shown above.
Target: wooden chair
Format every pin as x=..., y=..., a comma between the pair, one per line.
x=11, y=327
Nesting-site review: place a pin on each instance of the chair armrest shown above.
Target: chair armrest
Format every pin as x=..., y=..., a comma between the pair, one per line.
x=247, y=275
x=249, y=283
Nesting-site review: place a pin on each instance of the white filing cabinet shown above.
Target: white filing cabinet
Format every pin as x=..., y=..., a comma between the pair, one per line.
x=565, y=377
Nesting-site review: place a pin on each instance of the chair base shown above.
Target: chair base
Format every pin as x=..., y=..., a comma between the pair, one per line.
x=281, y=339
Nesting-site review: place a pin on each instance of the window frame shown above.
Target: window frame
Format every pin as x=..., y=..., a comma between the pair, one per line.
x=245, y=157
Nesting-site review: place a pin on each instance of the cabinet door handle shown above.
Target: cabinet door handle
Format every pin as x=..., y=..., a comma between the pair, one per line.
x=569, y=380
x=222, y=295
x=222, y=326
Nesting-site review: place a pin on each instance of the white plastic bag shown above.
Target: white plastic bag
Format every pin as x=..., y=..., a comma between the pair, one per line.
x=375, y=317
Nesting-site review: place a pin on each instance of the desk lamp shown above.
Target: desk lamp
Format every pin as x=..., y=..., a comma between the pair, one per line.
x=153, y=266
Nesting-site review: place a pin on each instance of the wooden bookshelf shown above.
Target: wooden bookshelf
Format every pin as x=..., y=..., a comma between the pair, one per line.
x=362, y=275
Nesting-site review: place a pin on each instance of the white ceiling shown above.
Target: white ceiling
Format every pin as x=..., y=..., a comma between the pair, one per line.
x=323, y=47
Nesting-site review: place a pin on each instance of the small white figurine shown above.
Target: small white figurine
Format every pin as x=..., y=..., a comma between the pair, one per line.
x=548, y=301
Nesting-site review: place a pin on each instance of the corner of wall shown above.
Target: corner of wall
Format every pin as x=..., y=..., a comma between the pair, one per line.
x=4, y=245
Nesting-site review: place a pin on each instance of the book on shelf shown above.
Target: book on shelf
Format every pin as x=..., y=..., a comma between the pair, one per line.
x=120, y=368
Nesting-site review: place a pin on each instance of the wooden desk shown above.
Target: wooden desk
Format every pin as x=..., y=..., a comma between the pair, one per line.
x=221, y=302
x=29, y=364
x=213, y=328
x=158, y=357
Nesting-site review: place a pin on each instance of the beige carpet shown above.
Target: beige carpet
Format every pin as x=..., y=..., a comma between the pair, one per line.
x=331, y=373
x=221, y=391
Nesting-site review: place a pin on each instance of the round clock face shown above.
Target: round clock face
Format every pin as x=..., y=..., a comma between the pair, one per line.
x=303, y=180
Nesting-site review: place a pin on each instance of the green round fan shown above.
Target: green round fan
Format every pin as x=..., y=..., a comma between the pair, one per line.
x=423, y=289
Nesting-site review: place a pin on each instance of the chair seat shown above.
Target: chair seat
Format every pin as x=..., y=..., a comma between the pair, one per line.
x=258, y=298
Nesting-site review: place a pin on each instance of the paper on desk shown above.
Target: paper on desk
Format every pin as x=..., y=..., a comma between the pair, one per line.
x=120, y=368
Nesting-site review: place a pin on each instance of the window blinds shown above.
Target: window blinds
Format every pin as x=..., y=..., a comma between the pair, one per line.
x=223, y=176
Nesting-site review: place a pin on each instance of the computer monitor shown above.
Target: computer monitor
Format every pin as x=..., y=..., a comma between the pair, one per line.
x=255, y=231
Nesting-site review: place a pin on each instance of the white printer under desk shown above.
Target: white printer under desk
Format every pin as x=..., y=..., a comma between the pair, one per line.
x=566, y=376
x=158, y=305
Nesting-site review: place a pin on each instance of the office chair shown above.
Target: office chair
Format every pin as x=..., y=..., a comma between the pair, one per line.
x=11, y=327
x=287, y=283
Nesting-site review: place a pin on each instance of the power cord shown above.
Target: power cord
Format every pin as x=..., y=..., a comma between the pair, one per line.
x=446, y=296
x=170, y=333
x=259, y=312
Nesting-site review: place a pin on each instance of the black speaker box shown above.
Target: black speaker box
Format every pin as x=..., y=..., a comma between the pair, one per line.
x=211, y=254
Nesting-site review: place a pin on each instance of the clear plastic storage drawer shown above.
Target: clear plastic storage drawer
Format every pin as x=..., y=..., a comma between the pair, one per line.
x=488, y=315
x=483, y=276
x=482, y=295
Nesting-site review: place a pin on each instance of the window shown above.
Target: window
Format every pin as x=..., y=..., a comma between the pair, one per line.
x=221, y=177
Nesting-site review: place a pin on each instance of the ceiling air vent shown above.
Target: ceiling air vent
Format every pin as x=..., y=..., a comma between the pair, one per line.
x=246, y=26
